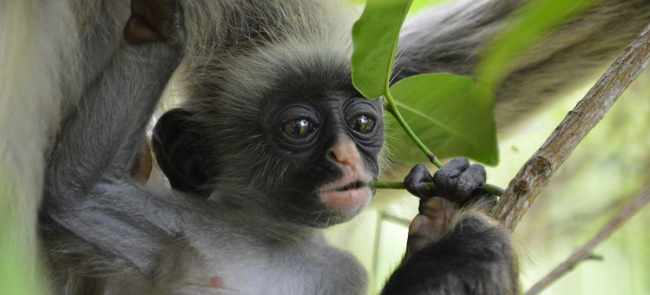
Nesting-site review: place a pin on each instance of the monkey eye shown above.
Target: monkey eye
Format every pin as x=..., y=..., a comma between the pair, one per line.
x=298, y=128
x=363, y=124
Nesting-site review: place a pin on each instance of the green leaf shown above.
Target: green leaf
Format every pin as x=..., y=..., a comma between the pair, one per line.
x=452, y=115
x=374, y=37
x=417, y=4
x=529, y=24
x=424, y=4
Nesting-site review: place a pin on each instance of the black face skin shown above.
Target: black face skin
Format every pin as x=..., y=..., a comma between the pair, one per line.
x=325, y=119
x=302, y=132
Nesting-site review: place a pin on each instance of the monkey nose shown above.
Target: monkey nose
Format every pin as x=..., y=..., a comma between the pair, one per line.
x=344, y=152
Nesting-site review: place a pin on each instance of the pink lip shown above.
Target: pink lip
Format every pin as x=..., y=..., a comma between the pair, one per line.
x=346, y=203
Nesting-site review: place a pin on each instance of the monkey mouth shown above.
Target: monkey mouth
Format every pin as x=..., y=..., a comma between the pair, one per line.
x=351, y=185
x=345, y=200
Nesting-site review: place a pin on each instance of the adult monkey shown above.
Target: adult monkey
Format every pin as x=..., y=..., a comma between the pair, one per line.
x=56, y=69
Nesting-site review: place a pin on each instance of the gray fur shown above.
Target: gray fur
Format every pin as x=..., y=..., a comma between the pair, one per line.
x=88, y=107
x=567, y=57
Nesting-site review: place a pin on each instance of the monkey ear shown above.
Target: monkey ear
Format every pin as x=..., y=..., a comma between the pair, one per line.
x=176, y=144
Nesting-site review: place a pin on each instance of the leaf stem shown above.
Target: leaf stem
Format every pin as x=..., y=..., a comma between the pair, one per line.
x=488, y=188
x=391, y=107
x=387, y=185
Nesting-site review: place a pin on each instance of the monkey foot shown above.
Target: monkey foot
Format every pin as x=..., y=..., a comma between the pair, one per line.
x=151, y=21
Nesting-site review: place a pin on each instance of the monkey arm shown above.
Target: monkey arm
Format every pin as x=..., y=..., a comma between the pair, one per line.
x=101, y=137
x=87, y=192
x=87, y=187
x=460, y=31
x=126, y=224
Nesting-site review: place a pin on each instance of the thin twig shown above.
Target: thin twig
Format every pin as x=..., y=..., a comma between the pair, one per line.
x=535, y=174
x=585, y=252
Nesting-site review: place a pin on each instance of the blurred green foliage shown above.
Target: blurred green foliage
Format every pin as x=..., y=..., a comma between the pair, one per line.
x=17, y=273
x=527, y=26
x=415, y=5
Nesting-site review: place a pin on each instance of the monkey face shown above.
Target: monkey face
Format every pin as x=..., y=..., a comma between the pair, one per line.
x=299, y=145
x=330, y=146
x=299, y=157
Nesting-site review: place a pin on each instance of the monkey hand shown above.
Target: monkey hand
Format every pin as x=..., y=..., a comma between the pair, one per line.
x=457, y=185
x=153, y=21
x=457, y=182
x=451, y=248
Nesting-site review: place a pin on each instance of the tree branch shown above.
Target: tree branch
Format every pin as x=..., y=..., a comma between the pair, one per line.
x=585, y=252
x=535, y=174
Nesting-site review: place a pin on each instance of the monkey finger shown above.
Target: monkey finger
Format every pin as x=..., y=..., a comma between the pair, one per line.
x=446, y=178
x=469, y=182
x=415, y=182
